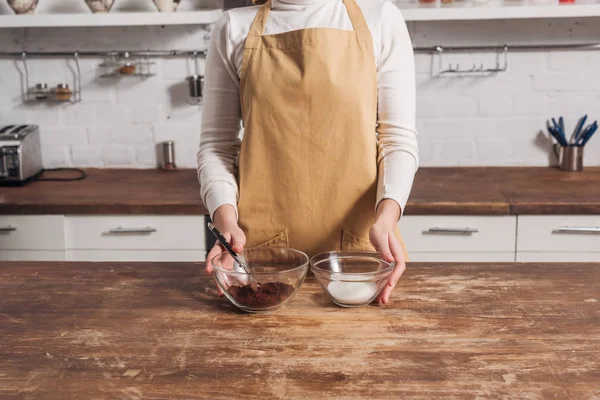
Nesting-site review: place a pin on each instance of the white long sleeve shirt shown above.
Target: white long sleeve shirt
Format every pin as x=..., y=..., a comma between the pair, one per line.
x=396, y=128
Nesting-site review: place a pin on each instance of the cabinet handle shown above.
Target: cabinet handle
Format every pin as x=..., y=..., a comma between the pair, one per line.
x=8, y=228
x=578, y=229
x=120, y=230
x=452, y=231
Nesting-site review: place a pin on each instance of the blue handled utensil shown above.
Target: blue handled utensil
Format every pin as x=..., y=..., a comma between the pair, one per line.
x=556, y=135
x=560, y=132
x=577, y=132
x=561, y=121
x=589, y=133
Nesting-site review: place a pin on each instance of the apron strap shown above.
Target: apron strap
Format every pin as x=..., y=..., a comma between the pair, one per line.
x=258, y=26
x=356, y=15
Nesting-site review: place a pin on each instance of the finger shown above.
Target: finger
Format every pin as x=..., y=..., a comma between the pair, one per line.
x=396, y=250
x=238, y=240
x=215, y=251
x=383, y=245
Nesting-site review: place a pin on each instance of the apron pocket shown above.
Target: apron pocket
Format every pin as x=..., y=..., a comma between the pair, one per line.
x=280, y=240
x=352, y=242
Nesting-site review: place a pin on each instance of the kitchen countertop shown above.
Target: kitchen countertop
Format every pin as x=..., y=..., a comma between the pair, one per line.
x=461, y=331
x=437, y=191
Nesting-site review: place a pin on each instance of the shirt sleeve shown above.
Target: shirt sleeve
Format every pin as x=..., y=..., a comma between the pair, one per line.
x=221, y=115
x=397, y=138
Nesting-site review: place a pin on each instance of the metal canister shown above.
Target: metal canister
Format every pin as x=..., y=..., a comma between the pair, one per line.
x=168, y=156
x=569, y=158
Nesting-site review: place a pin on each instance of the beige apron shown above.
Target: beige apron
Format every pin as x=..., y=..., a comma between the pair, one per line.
x=308, y=162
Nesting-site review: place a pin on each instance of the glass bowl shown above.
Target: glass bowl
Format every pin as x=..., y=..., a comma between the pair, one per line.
x=279, y=272
x=351, y=279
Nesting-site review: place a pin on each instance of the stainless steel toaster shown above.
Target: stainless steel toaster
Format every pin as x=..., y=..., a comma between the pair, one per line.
x=20, y=154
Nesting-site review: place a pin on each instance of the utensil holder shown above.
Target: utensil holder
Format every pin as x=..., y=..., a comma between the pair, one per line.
x=196, y=86
x=569, y=158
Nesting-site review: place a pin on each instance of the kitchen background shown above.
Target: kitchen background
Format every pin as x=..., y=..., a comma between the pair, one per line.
x=492, y=120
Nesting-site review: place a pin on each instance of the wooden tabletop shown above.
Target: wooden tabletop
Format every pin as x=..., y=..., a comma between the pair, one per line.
x=436, y=191
x=150, y=331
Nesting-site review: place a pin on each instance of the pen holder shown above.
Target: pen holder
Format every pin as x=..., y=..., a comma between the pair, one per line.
x=569, y=158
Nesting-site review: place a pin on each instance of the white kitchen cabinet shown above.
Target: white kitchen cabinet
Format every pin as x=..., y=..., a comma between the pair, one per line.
x=558, y=257
x=138, y=255
x=136, y=238
x=33, y=255
x=560, y=238
x=32, y=232
x=459, y=238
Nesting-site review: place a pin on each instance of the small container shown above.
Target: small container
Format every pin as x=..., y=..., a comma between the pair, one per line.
x=196, y=87
x=41, y=91
x=63, y=92
x=351, y=279
x=569, y=158
x=127, y=69
x=566, y=1
x=428, y=3
x=168, y=156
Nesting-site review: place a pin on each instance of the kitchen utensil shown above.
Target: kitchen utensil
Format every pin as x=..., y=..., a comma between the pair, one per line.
x=20, y=154
x=281, y=271
x=561, y=122
x=168, y=156
x=166, y=5
x=570, y=158
x=196, y=86
x=227, y=247
x=351, y=279
x=560, y=133
x=589, y=133
x=23, y=6
x=578, y=129
x=100, y=6
x=556, y=135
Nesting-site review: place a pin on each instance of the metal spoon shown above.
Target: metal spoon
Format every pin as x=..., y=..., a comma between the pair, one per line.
x=253, y=283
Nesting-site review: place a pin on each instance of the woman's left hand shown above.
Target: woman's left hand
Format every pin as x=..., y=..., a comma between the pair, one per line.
x=382, y=236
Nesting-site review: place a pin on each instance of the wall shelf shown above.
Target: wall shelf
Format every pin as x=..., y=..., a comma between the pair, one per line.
x=110, y=19
x=507, y=11
x=410, y=12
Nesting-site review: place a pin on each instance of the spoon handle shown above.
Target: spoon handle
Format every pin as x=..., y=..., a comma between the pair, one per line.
x=225, y=244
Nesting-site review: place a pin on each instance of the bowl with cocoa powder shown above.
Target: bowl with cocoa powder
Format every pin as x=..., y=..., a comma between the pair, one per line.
x=276, y=274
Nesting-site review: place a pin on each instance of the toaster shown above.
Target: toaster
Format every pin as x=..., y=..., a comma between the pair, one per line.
x=20, y=154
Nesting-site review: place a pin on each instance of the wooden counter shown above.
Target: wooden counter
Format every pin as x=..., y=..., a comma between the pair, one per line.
x=437, y=191
x=133, y=331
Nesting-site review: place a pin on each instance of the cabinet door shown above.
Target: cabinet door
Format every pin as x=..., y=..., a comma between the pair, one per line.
x=459, y=234
x=140, y=232
x=137, y=255
x=559, y=234
x=32, y=232
x=33, y=255
x=558, y=257
x=462, y=257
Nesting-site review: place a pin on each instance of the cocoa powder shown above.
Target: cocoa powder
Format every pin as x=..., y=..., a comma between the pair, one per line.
x=269, y=294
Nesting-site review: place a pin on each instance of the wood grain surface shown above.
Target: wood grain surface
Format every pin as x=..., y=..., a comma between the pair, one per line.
x=549, y=190
x=436, y=191
x=157, y=331
x=455, y=191
x=109, y=191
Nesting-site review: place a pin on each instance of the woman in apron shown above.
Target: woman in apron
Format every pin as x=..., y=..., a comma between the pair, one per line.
x=325, y=90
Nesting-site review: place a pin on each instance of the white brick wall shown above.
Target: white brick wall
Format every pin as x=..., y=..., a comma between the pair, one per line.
x=493, y=120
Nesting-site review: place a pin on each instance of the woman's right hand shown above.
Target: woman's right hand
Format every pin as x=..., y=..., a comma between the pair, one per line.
x=225, y=219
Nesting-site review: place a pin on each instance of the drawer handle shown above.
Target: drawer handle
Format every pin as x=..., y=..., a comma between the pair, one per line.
x=8, y=228
x=452, y=231
x=578, y=229
x=120, y=230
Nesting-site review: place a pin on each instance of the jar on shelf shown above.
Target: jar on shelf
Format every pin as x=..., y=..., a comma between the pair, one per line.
x=41, y=91
x=127, y=69
x=63, y=92
x=428, y=3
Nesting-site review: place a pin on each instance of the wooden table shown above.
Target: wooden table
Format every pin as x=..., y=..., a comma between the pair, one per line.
x=150, y=331
x=436, y=191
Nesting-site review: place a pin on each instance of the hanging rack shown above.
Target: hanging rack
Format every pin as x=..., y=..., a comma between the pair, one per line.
x=120, y=53
x=501, y=55
x=32, y=94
